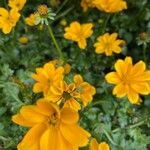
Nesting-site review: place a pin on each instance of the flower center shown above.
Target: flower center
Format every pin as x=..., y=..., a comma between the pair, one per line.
x=42, y=10
x=66, y=95
x=53, y=119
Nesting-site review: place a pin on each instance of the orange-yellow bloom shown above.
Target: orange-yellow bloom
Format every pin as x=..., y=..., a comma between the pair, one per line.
x=85, y=4
x=71, y=94
x=95, y=146
x=85, y=89
x=79, y=33
x=46, y=76
x=108, y=43
x=8, y=19
x=131, y=80
x=31, y=20
x=51, y=128
x=23, y=39
x=110, y=6
x=17, y=4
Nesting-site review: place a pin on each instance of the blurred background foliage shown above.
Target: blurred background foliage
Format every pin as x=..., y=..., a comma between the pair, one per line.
x=123, y=125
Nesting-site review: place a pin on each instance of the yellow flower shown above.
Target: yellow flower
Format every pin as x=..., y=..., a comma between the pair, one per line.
x=50, y=128
x=23, y=40
x=95, y=146
x=70, y=94
x=79, y=33
x=62, y=92
x=18, y=4
x=8, y=19
x=108, y=43
x=110, y=6
x=46, y=76
x=131, y=80
x=85, y=4
x=31, y=20
x=85, y=89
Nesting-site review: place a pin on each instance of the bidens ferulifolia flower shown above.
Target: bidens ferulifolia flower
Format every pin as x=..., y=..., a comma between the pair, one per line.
x=17, y=4
x=131, y=80
x=95, y=146
x=110, y=6
x=71, y=94
x=51, y=128
x=46, y=76
x=79, y=33
x=108, y=43
x=8, y=19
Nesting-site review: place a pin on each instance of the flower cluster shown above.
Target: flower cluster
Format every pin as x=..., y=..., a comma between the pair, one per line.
x=10, y=17
x=53, y=121
x=107, y=43
x=108, y=6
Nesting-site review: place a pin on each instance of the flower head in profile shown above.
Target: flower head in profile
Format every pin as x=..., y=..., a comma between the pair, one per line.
x=110, y=6
x=17, y=4
x=108, y=43
x=8, y=19
x=95, y=146
x=46, y=76
x=50, y=128
x=31, y=19
x=71, y=94
x=44, y=14
x=85, y=4
x=79, y=33
x=131, y=80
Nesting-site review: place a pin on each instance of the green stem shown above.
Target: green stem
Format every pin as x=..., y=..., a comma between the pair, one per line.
x=55, y=43
x=131, y=126
x=144, y=51
x=63, y=4
x=105, y=23
x=109, y=137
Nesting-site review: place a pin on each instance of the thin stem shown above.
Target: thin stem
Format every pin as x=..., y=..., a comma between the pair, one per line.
x=55, y=43
x=144, y=51
x=109, y=137
x=105, y=23
x=131, y=126
x=63, y=4
x=64, y=13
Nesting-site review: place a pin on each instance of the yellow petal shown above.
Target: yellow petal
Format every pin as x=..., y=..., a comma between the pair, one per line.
x=32, y=138
x=120, y=90
x=52, y=140
x=19, y=119
x=112, y=78
x=75, y=135
x=141, y=87
x=93, y=144
x=3, y=12
x=73, y=104
x=32, y=113
x=138, y=68
x=78, y=79
x=69, y=116
x=47, y=108
x=103, y=146
x=133, y=96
